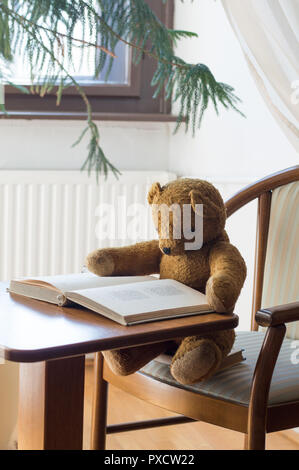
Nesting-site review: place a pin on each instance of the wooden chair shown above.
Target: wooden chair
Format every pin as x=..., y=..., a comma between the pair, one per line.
x=239, y=398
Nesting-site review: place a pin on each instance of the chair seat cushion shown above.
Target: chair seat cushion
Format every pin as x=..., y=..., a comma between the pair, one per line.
x=233, y=384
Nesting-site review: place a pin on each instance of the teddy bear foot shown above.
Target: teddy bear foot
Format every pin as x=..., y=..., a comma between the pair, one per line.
x=196, y=364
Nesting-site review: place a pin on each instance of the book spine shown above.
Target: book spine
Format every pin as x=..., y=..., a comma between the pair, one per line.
x=61, y=300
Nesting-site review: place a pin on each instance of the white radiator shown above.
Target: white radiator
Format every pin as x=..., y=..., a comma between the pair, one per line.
x=50, y=219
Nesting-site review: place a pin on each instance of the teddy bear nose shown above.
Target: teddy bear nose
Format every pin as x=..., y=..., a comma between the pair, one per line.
x=166, y=251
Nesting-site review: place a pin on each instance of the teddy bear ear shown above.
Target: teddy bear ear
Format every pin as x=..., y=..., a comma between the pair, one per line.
x=155, y=190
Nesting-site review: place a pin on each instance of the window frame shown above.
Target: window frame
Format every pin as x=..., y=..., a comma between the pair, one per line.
x=109, y=101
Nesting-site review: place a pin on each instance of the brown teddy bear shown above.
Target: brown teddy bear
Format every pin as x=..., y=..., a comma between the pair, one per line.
x=216, y=268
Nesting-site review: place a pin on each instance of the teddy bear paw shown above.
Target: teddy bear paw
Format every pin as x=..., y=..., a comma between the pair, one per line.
x=217, y=289
x=100, y=262
x=196, y=364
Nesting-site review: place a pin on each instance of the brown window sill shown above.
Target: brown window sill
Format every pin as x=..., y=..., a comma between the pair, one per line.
x=82, y=116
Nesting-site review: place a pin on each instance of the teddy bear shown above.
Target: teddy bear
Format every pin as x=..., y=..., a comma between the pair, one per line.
x=214, y=267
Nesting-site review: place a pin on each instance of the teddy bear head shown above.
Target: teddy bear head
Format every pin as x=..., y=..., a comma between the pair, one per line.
x=187, y=213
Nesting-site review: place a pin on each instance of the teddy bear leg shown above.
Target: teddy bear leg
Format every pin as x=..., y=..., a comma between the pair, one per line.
x=129, y=360
x=195, y=360
x=198, y=357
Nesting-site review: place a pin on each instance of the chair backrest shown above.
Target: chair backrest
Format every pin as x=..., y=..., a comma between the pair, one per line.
x=281, y=272
x=276, y=276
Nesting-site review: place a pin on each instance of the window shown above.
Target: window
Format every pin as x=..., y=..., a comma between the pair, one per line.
x=119, y=74
x=127, y=94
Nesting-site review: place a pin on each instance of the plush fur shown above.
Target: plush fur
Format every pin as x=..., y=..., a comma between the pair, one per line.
x=217, y=269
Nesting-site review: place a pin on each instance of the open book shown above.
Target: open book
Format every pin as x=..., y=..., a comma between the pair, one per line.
x=126, y=300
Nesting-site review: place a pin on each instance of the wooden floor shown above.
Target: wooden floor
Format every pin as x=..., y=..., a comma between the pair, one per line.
x=194, y=436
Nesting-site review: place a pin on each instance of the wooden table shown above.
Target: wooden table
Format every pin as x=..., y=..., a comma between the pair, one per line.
x=50, y=342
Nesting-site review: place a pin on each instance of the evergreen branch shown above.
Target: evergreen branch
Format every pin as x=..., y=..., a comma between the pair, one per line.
x=193, y=85
x=169, y=35
x=62, y=35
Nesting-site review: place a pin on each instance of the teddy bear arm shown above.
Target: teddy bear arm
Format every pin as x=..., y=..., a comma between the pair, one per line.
x=139, y=259
x=227, y=276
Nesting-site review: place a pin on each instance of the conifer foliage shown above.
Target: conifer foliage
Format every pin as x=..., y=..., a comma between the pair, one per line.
x=42, y=32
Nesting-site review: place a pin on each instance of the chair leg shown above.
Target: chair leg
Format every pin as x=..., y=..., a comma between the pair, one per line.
x=257, y=414
x=257, y=438
x=254, y=444
x=99, y=406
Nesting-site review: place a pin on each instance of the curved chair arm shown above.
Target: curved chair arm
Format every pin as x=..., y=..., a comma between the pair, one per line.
x=274, y=318
x=278, y=315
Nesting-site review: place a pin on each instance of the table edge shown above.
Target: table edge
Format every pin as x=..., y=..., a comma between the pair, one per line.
x=77, y=349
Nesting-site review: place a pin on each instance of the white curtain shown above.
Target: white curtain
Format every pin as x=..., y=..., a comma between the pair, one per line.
x=268, y=31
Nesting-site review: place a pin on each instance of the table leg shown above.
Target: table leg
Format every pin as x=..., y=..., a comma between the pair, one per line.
x=99, y=406
x=51, y=404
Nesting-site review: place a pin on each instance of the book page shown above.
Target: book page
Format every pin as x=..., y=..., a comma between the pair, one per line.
x=72, y=282
x=145, y=297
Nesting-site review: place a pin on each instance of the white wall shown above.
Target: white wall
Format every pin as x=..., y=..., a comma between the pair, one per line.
x=42, y=145
x=228, y=146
